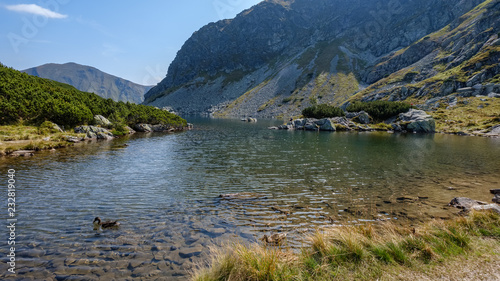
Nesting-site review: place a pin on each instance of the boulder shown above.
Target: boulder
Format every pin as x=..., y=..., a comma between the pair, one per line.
x=104, y=136
x=494, y=131
x=51, y=126
x=72, y=139
x=93, y=132
x=25, y=153
x=465, y=92
x=299, y=123
x=327, y=125
x=465, y=203
x=249, y=119
x=143, y=128
x=102, y=121
x=311, y=125
x=130, y=130
x=285, y=127
x=363, y=118
x=417, y=121
x=161, y=128
x=493, y=95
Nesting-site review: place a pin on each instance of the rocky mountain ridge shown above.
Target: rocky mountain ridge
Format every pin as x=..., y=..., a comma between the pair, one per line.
x=281, y=56
x=92, y=80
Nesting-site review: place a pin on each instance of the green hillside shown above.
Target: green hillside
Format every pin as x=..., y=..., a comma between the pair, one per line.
x=32, y=100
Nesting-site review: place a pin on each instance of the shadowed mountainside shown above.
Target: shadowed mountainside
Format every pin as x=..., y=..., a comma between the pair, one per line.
x=281, y=56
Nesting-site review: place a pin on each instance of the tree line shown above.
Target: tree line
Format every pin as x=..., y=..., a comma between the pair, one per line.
x=33, y=100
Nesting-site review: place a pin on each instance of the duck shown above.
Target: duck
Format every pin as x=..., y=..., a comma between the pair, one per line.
x=107, y=224
x=275, y=239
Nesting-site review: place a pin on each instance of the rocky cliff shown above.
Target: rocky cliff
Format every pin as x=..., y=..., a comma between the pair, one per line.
x=280, y=56
x=92, y=80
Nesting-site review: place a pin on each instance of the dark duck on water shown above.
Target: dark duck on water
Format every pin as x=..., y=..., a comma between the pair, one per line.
x=107, y=224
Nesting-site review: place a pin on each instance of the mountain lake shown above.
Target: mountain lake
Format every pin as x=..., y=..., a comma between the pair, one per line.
x=165, y=191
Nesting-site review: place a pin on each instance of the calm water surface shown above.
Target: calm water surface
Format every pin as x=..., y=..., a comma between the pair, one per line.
x=164, y=189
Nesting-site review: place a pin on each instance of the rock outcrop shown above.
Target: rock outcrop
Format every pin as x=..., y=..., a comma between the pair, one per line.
x=467, y=204
x=148, y=128
x=416, y=121
x=93, y=132
x=102, y=121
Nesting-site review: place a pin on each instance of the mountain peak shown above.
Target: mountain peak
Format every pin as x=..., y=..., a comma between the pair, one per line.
x=280, y=56
x=90, y=79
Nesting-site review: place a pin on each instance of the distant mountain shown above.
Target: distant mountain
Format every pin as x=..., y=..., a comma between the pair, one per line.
x=281, y=56
x=92, y=80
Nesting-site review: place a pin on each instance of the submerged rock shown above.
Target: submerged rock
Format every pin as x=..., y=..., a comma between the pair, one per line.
x=25, y=153
x=241, y=195
x=249, y=119
x=464, y=203
x=467, y=204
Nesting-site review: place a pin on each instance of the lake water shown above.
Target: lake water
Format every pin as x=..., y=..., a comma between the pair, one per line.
x=164, y=190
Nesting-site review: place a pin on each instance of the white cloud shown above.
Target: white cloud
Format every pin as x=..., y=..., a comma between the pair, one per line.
x=36, y=10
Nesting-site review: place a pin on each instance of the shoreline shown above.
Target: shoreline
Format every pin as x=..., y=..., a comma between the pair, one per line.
x=25, y=141
x=367, y=252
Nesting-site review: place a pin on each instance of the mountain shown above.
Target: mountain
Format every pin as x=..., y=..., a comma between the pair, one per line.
x=280, y=56
x=90, y=79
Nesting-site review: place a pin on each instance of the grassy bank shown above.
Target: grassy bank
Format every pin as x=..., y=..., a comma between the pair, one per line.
x=471, y=115
x=370, y=252
x=20, y=137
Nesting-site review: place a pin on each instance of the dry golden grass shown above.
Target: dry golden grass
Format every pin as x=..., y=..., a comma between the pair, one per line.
x=19, y=137
x=439, y=250
x=469, y=116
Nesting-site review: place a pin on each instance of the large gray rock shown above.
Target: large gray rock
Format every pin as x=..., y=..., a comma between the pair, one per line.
x=327, y=125
x=161, y=128
x=362, y=117
x=465, y=203
x=143, y=128
x=93, y=132
x=102, y=121
x=494, y=131
x=417, y=121
x=359, y=117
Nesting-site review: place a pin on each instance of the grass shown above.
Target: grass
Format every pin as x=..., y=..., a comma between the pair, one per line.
x=470, y=115
x=21, y=137
x=369, y=252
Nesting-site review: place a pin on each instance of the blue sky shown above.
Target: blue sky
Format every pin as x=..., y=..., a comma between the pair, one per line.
x=135, y=40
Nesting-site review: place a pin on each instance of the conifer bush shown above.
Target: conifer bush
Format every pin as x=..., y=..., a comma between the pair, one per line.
x=322, y=111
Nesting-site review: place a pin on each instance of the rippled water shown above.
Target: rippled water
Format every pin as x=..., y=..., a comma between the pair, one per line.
x=164, y=189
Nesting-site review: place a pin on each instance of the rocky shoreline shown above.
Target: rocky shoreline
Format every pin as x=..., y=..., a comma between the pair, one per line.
x=102, y=129
x=414, y=121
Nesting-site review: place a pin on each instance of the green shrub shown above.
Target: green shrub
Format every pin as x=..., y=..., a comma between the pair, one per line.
x=380, y=110
x=119, y=130
x=35, y=100
x=322, y=111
